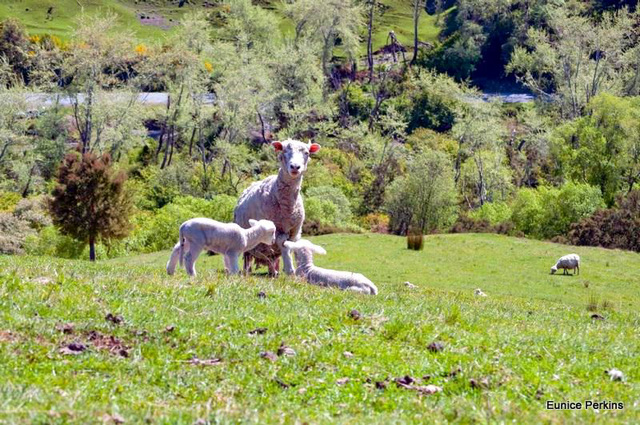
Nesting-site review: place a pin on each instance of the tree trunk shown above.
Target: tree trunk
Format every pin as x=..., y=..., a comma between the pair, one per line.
x=92, y=248
x=416, y=20
x=369, y=40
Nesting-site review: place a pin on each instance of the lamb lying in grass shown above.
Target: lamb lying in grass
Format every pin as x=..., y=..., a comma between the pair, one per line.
x=568, y=262
x=304, y=250
x=227, y=239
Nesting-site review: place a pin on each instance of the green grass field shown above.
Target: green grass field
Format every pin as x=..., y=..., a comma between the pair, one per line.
x=394, y=15
x=530, y=340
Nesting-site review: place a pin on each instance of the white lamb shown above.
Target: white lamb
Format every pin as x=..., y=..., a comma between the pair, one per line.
x=568, y=262
x=227, y=239
x=277, y=198
x=304, y=250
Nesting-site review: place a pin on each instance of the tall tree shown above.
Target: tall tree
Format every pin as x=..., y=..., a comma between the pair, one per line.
x=90, y=201
x=579, y=57
x=372, y=8
x=418, y=6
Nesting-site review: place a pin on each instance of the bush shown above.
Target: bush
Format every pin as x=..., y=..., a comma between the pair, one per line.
x=569, y=204
x=13, y=233
x=466, y=224
x=376, y=223
x=342, y=214
x=49, y=241
x=527, y=211
x=33, y=211
x=158, y=231
x=611, y=228
x=8, y=201
x=415, y=242
x=547, y=212
x=493, y=212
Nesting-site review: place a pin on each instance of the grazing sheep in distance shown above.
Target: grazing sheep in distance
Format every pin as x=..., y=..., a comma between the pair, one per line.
x=277, y=198
x=304, y=250
x=568, y=262
x=479, y=293
x=227, y=239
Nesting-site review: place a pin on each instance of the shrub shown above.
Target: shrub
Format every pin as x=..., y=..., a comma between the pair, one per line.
x=13, y=233
x=33, y=211
x=376, y=223
x=8, y=201
x=415, y=242
x=547, y=212
x=159, y=230
x=466, y=224
x=342, y=214
x=49, y=241
x=527, y=211
x=493, y=212
x=611, y=228
x=569, y=204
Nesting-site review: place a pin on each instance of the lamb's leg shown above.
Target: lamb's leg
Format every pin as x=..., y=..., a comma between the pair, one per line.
x=578, y=267
x=286, y=255
x=191, y=257
x=225, y=259
x=232, y=259
x=173, y=260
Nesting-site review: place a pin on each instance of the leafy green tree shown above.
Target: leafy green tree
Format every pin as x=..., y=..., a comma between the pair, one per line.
x=578, y=58
x=324, y=23
x=90, y=201
x=424, y=198
x=98, y=59
x=602, y=148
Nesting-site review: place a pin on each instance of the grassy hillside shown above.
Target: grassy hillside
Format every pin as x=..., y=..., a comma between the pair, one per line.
x=392, y=15
x=531, y=340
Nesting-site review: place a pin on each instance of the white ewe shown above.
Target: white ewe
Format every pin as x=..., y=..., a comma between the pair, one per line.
x=227, y=239
x=303, y=250
x=277, y=198
x=568, y=262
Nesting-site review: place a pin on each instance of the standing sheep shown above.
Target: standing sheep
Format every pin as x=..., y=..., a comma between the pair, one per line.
x=227, y=239
x=304, y=249
x=277, y=198
x=568, y=262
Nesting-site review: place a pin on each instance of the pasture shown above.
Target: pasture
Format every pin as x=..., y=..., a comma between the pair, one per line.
x=60, y=17
x=121, y=340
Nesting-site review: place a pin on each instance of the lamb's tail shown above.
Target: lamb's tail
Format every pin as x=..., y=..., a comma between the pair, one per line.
x=181, y=261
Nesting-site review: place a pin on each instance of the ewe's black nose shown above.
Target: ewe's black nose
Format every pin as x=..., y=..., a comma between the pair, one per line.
x=295, y=167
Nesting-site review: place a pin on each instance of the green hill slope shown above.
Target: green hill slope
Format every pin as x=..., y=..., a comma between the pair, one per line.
x=59, y=17
x=502, y=356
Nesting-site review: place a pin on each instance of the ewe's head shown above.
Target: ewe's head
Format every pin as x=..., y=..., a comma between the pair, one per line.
x=554, y=269
x=268, y=230
x=293, y=156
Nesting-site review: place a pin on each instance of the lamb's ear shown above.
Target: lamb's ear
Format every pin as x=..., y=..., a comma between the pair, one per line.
x=277, y=145
x=314, y=147
x=292, y=245
x=252, y=222
x=316, y=249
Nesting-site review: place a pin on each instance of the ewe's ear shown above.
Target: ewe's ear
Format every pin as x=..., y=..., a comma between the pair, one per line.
x=277, y=145
x=314, y=147
x=252, y=222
